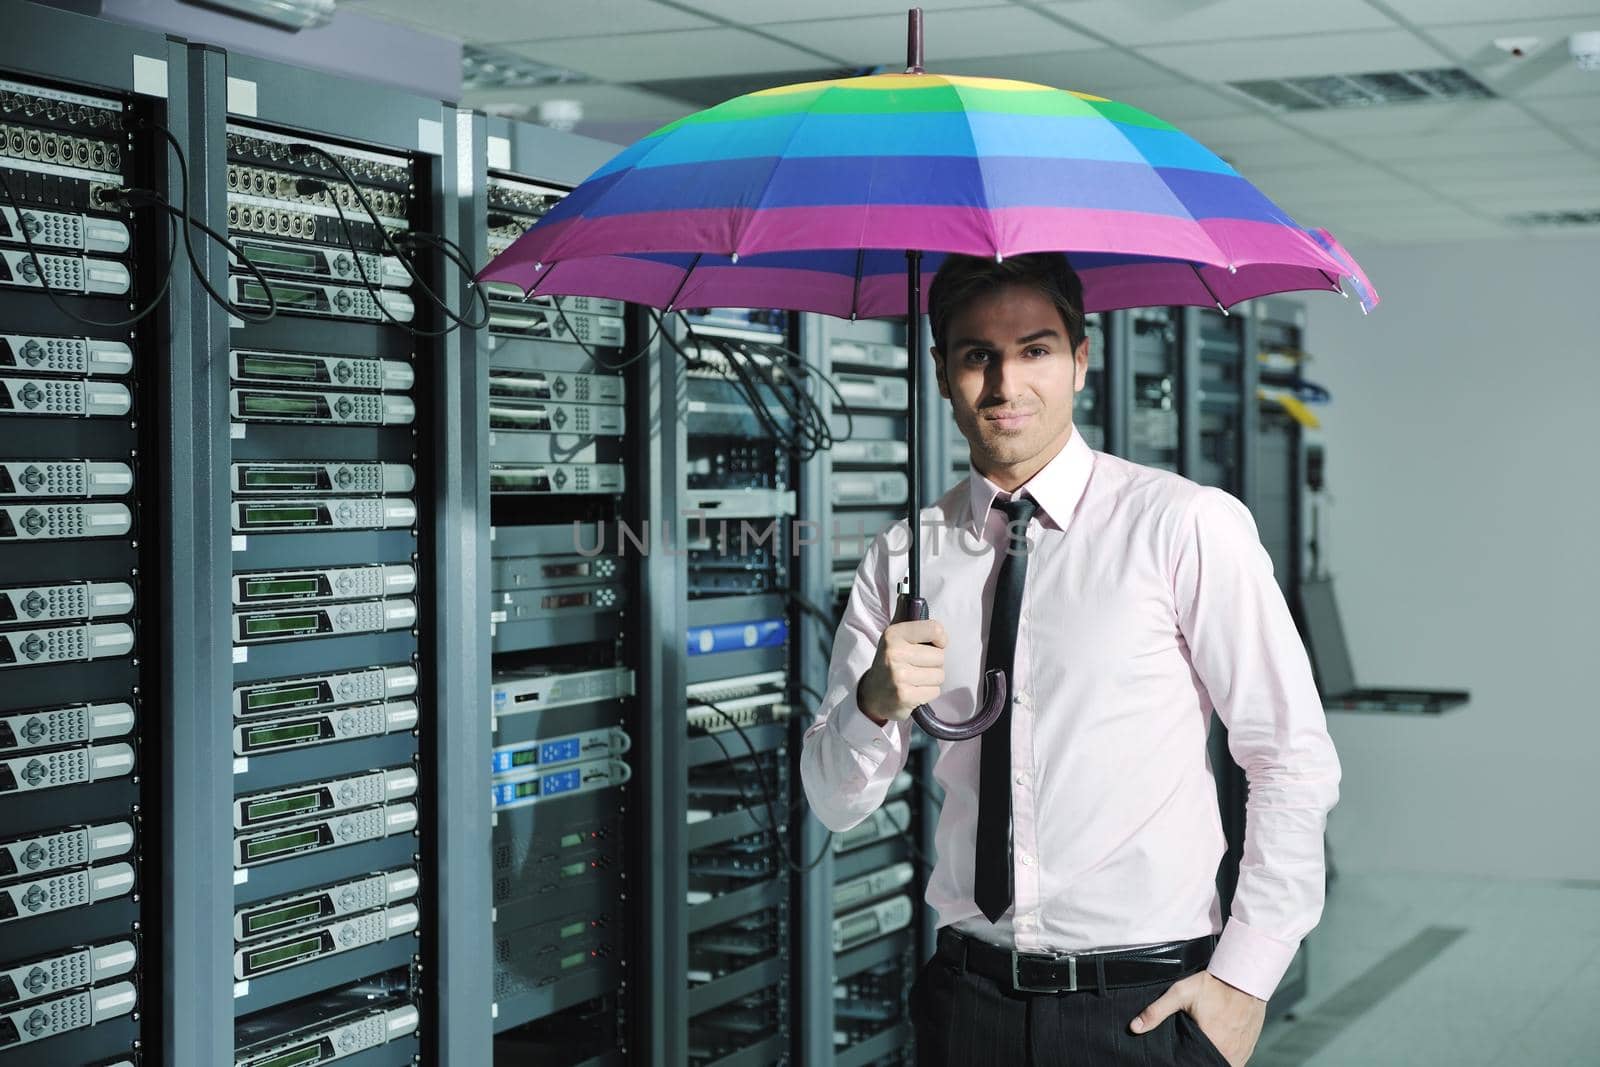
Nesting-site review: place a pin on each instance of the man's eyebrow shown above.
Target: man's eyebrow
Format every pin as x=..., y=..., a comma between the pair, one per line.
x=979, y=342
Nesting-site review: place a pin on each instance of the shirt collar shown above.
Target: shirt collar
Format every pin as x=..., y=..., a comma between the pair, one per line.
x=1056, y=488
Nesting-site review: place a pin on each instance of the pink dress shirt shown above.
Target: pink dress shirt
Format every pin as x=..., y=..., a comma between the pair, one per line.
x=1149, y=602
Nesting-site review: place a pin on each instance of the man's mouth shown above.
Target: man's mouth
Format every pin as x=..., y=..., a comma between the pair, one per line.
x=1008, y=420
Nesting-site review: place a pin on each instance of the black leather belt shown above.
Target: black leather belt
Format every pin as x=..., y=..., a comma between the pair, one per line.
x=1026, y=972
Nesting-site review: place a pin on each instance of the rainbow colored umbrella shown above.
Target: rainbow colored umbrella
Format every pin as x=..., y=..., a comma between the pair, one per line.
x=824, y=197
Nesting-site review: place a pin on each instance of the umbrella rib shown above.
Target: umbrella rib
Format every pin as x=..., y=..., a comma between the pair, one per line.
x=1196, y=268
x=693, y=263
x=772, y=175
x=983, y=176
x=1333, y=282
x=855, y=290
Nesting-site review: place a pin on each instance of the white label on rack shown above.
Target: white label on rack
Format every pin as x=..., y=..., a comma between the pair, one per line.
x=430, y=136
x=241, y=764
x=238, y=542
x=241, y=875
x=236, y=431
x=150, y=76
x=500, y=153
x=241, y=654
x=242, y=97
x=241, y=989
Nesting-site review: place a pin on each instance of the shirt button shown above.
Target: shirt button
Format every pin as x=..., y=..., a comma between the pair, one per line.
x=1027, y=861
x=1023, y=777
x=1021, y=697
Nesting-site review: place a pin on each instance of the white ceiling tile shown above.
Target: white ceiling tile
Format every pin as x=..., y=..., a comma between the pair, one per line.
x=761, y=12
x=492, y=21
x=1509, y=76
x=1482, y=167
x=1528, y=140
x=1102, y=71
x=1182, y=104
x=987, y=31
x=1145, y=22
x=1241, y=129
x=1444, y=12
x=1579, y=110
x=1565, y=188
x=1288, y=151
x=1410, y=119
x=1279, y=57
x=601, y=101
x=628, y=57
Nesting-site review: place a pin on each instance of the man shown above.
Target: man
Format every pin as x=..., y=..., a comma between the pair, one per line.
x=1079, y=839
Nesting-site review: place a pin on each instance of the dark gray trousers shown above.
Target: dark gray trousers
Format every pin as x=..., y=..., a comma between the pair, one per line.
x=963, y=1018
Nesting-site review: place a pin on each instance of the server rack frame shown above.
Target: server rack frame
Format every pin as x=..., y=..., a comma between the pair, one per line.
x=128, y=62
x=236, y=86
x=653, y=642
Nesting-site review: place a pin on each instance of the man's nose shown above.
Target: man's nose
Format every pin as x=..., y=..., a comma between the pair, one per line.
x=1003, y=378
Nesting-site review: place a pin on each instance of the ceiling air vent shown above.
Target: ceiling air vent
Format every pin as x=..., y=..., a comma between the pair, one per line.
x=1556, y=218
x=1366, y=90
x=487, y=68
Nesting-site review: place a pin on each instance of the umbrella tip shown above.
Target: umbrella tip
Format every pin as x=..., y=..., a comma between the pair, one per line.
x=1222, y=309
x=914, y=41
x=734, y=256
x=1232, y=269
x=999, y=257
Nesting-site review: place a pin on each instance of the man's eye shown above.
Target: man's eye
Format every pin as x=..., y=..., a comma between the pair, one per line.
x=1038, y=350
x=977, y=356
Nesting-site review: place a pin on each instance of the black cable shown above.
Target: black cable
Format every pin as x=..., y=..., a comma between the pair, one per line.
x=309, y=184
x=153, y=199
x=594, y=356
x=50, y=290
x=188, y=241
x=458, y=256
x=779, y=829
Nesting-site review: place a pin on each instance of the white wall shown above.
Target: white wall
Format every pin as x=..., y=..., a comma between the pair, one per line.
x=1463, y=453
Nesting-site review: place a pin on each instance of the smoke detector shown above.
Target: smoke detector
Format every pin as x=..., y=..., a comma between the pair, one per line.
x=1585, y=49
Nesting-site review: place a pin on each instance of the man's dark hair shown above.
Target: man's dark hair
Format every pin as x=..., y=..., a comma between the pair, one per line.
x=963, y=279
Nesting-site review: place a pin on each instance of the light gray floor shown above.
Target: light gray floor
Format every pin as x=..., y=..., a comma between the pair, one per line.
x=1417, y=970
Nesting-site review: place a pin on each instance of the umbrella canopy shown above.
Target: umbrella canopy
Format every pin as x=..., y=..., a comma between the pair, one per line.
x=824, y=196
x=836, y=170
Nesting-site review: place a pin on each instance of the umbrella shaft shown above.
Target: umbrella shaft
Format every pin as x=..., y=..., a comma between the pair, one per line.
x=914, y=415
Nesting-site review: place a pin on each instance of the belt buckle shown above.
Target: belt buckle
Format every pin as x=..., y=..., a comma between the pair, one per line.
x=1072, y=975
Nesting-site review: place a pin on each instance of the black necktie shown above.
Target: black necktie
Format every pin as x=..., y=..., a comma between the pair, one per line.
x=992, y=870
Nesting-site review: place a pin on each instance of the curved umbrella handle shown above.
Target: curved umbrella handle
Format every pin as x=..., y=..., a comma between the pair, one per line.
x=992, y=695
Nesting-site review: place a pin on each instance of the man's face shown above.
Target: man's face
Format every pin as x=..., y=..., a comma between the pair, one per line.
x=1010, y=375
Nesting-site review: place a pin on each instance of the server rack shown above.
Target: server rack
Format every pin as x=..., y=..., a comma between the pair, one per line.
x=85, y=541
x=342, y=521
x=738, y=491
x=563, y=421
x=865, y=927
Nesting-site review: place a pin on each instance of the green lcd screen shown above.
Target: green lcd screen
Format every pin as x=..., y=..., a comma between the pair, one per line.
x=571, y=840
x=287, y=295
x=269, y=514
x=525, y=757
x=574, y=929
x=300, y=370
x=572, y=870
x=262, y=921
x=261, y=587
x=268, y=957
x=279, y=404
x=260, y=699
x=280, y=257
x=278, y=807
x=274, y=736
x=311, y=1053
x=271, y=846
x=574, y=960
x=301, y=478
x=265, y=625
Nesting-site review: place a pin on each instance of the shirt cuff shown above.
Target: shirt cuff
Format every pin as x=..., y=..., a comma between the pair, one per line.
x=873, y=743
x=1250, y=960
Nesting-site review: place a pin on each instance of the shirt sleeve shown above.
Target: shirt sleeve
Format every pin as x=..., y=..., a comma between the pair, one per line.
x=847, y=761
x=1248, y=655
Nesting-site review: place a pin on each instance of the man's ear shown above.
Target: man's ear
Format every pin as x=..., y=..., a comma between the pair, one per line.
x=1080, y=359
x=938, y=373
